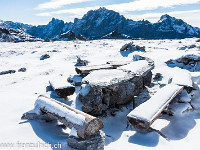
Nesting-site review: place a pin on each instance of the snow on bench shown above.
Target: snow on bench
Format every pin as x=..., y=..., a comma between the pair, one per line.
x=62, y=87
x=86, y=125
x=181, y=77
x=116, y=64
x=84, y=70
x=137, y=67
x=145, y=114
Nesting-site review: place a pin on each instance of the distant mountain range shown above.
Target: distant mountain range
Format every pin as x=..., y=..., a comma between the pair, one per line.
x=104, y=23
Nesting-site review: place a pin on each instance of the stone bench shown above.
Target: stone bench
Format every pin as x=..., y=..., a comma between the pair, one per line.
x=145, y=114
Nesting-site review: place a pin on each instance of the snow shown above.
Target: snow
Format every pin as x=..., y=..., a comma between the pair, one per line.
x=85, y=89
x=185, y=97
x=180, y=108
x=155, y=104
x=53, y=107
x=20, y=90
x=181, y=77
x=60, y=83
x=105, y=77
x=73, y=132
x=96, y=67
x=137, y=67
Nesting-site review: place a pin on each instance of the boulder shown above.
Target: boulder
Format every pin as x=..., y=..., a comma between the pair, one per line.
x=81, y=62
x=7, y=72
x=131, y=47
x=22, y=70
x=94, y=142
x=47, y=40
x=45, y=56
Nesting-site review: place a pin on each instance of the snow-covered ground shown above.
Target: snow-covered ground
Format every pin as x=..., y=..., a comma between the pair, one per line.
x=18, y=92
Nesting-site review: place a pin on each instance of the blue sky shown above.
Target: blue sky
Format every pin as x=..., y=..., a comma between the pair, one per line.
x=41, y=11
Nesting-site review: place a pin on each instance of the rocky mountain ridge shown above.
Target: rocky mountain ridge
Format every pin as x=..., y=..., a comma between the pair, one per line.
x=96, y=24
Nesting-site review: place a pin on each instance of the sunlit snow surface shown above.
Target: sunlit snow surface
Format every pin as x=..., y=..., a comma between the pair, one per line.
x=19, y=91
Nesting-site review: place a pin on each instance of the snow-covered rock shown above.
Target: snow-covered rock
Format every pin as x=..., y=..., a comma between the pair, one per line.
x=115, y=35
x=15, y=25
x=15, y=35
x=94, y=142
x=68, y=36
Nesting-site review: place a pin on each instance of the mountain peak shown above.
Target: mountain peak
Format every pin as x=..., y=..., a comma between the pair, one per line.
x=165, y=17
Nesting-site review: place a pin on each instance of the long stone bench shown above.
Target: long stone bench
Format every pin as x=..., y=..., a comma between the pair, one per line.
x=50, y=109
x=145, y=114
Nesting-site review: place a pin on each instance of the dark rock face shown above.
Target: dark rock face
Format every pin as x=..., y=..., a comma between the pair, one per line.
x=15, y=35
x=14, y=25
x=97, y=23
x=68, y=36
x=115, y=35
x=53, y=28
x=94, y=142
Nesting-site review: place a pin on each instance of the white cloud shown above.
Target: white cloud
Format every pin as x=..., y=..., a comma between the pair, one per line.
x=190, y=16
x=149, y=4
x=43, y=14
x=137, y=5
x=53, y=4
x=156, y=15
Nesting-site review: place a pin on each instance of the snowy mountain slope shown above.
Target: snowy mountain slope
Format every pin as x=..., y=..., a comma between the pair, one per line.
x=14, y=25
x=15, y=35
x=100, y=22
x=18, y=92
x=173, y=28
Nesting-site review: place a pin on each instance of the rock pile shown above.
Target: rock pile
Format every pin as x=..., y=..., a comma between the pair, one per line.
x=107, y=88
x=131, y=47
x=189, y=62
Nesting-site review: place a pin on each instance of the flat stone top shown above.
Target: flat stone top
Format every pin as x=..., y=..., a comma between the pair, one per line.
x=148, y=110
x=106, y=77
x=95, y=67
x=137, y=67
x=60, y=83
x=119, y=63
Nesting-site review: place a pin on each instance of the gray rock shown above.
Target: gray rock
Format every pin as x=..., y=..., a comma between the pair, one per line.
x=45, y=56
x=138, y=57
x=94, y=142
x=81, y=62
x=22, y=70
x=157, y=76
x=47, y=40
x=131, y=47
x=7, y=72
